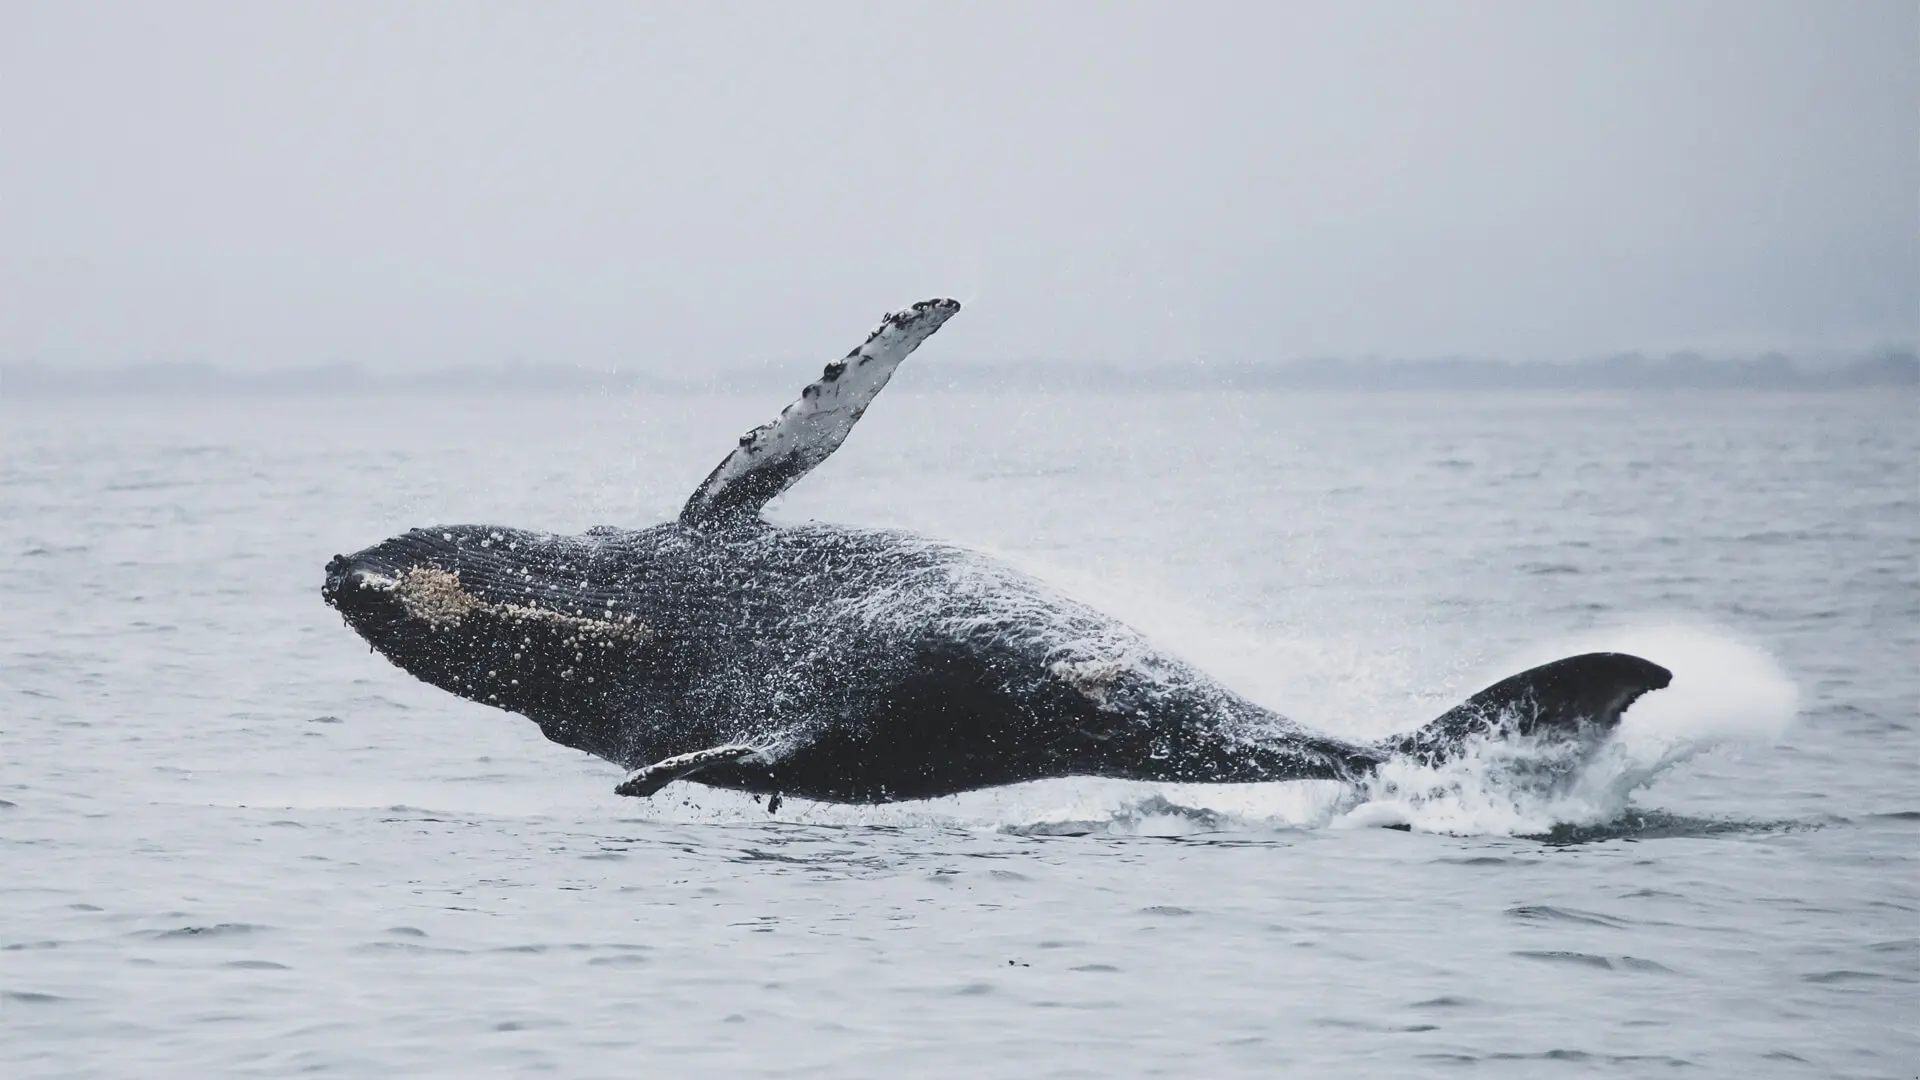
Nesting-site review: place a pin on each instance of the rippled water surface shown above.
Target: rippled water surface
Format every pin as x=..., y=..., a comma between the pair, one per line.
x=235, y=843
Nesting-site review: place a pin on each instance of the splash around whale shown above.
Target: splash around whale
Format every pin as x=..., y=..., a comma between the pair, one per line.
x=860, y=665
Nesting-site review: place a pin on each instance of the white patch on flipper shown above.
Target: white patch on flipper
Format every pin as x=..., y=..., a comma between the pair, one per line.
x=645, y=781
x=771, y=457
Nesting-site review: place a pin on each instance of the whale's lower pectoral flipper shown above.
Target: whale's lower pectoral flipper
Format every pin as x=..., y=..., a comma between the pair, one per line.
x=645, y=781
x=771, y=457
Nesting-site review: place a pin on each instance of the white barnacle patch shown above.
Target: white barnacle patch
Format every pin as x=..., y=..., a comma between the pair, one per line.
x=1094, y=679
x=584, y=629
x=436, y=597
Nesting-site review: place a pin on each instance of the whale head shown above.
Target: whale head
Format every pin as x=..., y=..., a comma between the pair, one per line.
x=497, y=616
x=402, y=591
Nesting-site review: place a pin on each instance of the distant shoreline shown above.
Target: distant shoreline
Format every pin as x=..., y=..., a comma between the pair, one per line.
x=1887, y=369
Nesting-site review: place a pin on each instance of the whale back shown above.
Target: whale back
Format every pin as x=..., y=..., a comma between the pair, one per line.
x=638, y=645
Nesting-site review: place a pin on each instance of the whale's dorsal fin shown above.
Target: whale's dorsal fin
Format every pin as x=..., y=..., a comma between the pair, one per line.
x=771, y=457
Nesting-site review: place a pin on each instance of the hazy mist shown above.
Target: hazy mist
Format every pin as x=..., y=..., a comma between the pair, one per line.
x=675, y=188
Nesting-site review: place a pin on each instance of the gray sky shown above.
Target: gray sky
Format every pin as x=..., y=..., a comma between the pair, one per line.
x=670, y=185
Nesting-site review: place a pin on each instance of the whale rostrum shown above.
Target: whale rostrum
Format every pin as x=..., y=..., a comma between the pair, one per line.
x=859, y=665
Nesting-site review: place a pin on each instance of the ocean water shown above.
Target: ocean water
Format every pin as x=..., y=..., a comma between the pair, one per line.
x=234, y=843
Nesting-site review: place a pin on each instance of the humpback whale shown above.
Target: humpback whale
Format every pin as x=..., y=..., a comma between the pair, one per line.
x=859, y=665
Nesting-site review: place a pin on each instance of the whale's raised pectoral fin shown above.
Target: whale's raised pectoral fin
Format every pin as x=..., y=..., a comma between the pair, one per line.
x=1578, y=699
x=771, y=457
x=645, y=781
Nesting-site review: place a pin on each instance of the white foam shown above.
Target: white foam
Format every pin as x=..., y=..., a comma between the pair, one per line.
x=1724, y=689
x=1071, y=806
